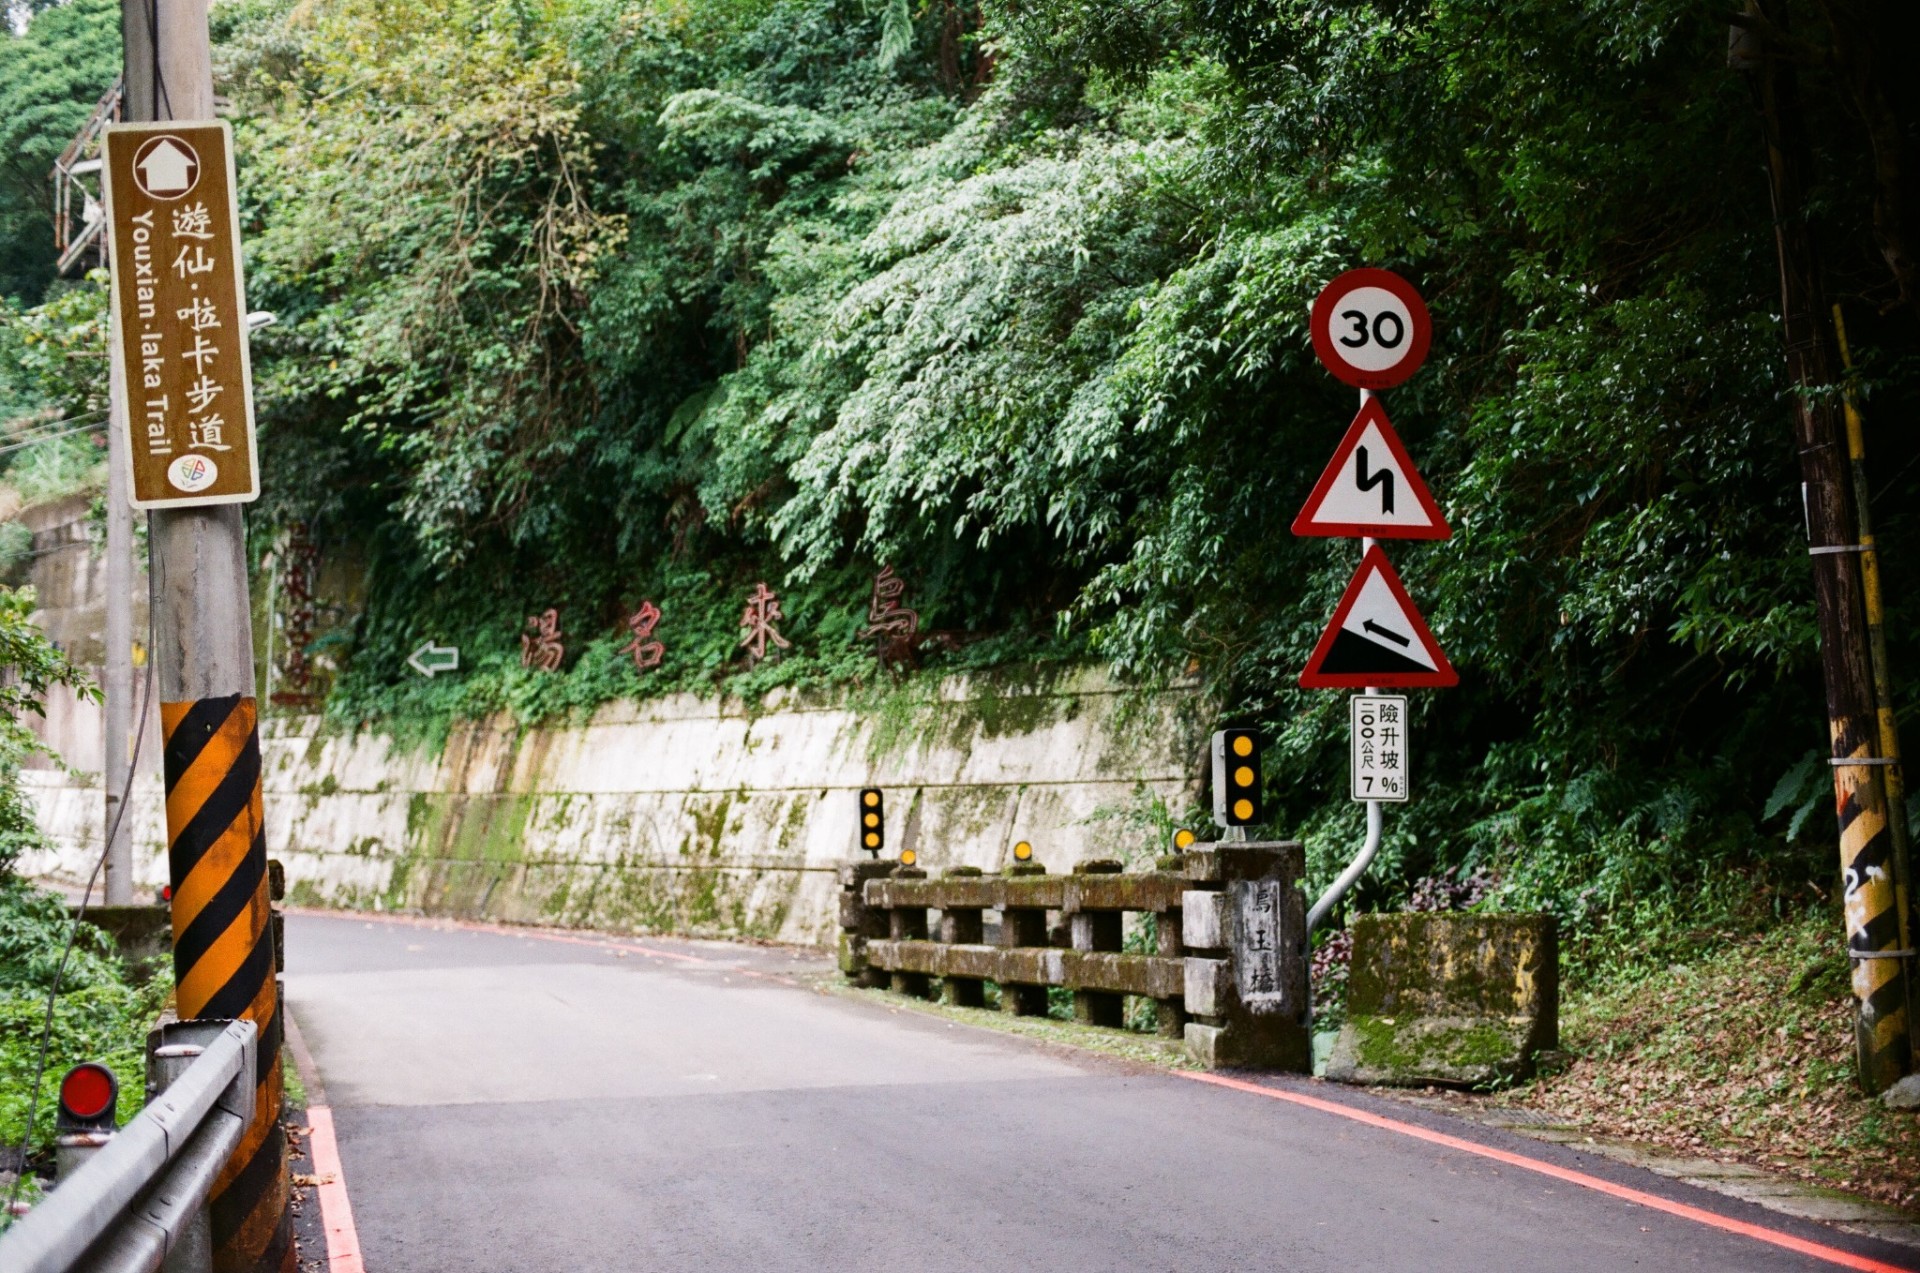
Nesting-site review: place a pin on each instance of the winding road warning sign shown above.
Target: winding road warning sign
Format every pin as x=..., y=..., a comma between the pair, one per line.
x=1371, y=328
x=1372, y=488
x=1377, y=638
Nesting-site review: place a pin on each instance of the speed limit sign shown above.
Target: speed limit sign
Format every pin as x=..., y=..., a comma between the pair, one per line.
x=1371, y=328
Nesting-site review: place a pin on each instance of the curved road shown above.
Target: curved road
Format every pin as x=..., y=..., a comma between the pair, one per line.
x=539, y=1102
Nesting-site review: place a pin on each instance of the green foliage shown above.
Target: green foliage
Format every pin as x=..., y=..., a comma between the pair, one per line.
x=53, y=392
x=29, y=667
x=51, y=76
x=587, y=302
x=97, y=1016
x=33, y=934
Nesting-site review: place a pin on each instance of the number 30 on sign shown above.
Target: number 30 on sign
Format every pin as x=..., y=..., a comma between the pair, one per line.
x=1379, y=747
x=1371, y=328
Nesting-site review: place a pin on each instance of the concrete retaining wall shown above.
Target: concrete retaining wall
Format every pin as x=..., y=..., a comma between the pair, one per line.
x=689, y=815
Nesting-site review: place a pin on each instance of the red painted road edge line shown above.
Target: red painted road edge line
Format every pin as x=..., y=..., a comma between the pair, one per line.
x=336, y=1213
x=1699, y=1215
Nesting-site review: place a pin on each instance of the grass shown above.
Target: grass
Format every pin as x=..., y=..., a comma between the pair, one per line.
x=1746, y=1052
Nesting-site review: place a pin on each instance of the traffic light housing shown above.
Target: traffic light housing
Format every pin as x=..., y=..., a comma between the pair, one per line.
x=1236, y=779
x=873, y=821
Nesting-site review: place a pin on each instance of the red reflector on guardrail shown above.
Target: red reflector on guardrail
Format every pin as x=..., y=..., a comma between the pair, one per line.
x=88, y=1092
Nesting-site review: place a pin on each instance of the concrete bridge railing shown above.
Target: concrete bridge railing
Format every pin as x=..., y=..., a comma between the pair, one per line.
x=1227, y=973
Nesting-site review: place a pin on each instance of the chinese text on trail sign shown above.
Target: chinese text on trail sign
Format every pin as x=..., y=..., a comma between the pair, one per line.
x=1372, y=488
x=180, y=315
x=1377, y=637
x=1371, y=329
x=1379, y=766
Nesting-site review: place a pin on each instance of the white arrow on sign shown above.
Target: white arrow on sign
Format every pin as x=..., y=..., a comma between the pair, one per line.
x=431, y=658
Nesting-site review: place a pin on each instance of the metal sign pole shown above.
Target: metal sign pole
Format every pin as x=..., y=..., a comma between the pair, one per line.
x=117, y=725
x=1375, y=815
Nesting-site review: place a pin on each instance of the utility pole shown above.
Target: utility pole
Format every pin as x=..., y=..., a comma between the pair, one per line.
x=118, y=708
x=223, y=951
x=1878, y=939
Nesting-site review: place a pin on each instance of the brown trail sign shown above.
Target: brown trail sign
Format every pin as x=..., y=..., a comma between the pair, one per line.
x=180, y=314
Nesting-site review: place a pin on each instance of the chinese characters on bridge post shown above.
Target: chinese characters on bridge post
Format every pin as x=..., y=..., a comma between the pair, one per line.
x=180, y=315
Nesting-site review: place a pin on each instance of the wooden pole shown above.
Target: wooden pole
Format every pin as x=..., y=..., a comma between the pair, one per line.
x=1877, y=938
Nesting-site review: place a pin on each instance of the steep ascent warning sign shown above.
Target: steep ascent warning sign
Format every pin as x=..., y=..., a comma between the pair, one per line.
x=1377, y=638
x=1372, y=488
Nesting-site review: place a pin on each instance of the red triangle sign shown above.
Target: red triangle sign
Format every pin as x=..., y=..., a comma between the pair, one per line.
x=1377, y=638
x=1372, y=488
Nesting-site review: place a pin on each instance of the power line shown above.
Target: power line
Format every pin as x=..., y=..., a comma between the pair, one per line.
x=48, y=437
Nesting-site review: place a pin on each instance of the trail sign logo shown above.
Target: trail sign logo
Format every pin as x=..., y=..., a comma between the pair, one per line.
x=180, y=314
x=1372, y=488
x=166, y=167
x=1377, y=638
x=191, y=474
x=1371, y=328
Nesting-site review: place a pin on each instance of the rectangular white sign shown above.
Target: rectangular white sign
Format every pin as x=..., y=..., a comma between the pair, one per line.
x=1379, y=747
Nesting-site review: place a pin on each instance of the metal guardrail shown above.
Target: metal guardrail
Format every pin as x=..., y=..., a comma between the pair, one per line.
x=133, y=1206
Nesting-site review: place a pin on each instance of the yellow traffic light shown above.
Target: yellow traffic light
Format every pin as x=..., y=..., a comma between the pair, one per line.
x=1236, y=778
x=1023, y=852
x=873, y=821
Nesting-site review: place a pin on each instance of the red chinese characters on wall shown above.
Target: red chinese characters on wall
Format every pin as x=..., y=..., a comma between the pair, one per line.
x=540, y=642
x=887, y=619
x=757, y=621
x=646, y=652
x=299, y=569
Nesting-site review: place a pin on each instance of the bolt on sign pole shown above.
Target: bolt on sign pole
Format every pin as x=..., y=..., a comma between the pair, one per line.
x=1878, y=941
x=180, y=317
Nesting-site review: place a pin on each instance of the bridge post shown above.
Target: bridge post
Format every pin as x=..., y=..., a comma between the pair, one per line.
x=1246, y=976
x=909, y=923
x=860, y=923
x=963, y=925
x=1097, y=930
x=1023, y=926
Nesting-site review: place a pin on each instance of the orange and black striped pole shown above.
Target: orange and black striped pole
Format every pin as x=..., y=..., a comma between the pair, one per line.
x=223, y=953
x=223, y=957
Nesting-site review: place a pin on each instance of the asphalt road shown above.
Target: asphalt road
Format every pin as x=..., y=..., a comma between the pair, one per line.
x=508, y=1102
